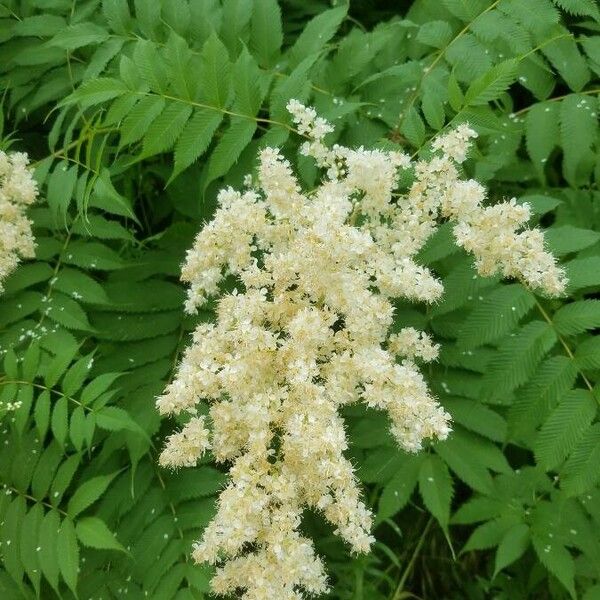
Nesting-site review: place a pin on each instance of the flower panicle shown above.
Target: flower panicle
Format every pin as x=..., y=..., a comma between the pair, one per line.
x=307, y=332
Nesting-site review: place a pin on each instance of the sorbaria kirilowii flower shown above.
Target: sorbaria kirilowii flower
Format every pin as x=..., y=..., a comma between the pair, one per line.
x=306, y=332
x=17, y=191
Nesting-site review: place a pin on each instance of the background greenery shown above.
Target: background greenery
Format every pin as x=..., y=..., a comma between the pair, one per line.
x=134, y=114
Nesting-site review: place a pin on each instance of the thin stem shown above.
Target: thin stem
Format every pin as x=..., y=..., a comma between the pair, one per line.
x=412, y=560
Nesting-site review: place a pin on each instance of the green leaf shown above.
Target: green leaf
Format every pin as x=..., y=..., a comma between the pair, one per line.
x=41, y=413
x=518, y=358
x=195, y=138
x=10, y=537
x=236, y=13
x=150, y=66
x=96, y=91
x=215, y=73
x=29, y=543
x=80, y=286
x=266, y=34
x=230, y=146
x=117, y=15
x=557, y=559
x=576, y=317
x=75, y=376
x=93, y=532
x=92, y=255
x=435, y=33
x=581, y=473
x=578, y=131
x=541, y=133
x=166, y=128
x=98, y=386
x=248, y=93
x=495, y=316
x=48, y=555
x=435, y=487
x=563, y=429
x=67, y=312
x=583, y=273
x=316, y=34
x=398, y=490
x=59, y=423
x=106, y=197
x=87, y=493
x=541, y=393
x=513, y=545
x=140, y=118
x=492, y=84
x=113, y=418
x=63, y=478
x=587, y=355
x=76, y=36
x=77, y=427
x=68, y=554
x=565, y=239
x=413, y=127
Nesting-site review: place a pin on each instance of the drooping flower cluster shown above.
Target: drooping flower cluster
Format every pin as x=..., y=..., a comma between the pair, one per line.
x=17, y=191
x=306, y=332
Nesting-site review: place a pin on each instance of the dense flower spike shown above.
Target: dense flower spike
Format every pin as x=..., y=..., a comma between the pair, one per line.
x=17, y=191
x=306, y=332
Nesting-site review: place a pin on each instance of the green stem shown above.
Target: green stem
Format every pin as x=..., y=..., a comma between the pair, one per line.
x=413, y=558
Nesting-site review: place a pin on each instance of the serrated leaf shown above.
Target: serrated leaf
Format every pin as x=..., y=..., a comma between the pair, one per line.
x=215, y=73
x=564, y=427
x=541, y=393
x=492, y=84
x=576, y=317
x=435, y=33
x=166, y=128
x=68, y=554
x=518, y=358
x=587, y=355
x=413, y=127
x=316, y=33
x=88, y=492
x=566, y=239
x=557, y=559
x=113, y=418
x=93, y=255
x=578, y=130
x=93, y=532
x=78, y=35
x=59, y=423
x=230, y=146
x=76, y=375
x=512, y=546
x=80, y=286
x=195, y=138
x=495, y=316
x=96, y=91
x=583, y=273
x=266, y=34
x=435, y=487
x=580, y=472
x=63, y=478
x=48, y=557
x=399, y=489
x=140, y=118
x=41, y=413
x=541, y=133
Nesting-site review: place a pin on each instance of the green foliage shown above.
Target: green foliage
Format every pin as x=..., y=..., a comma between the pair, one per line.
x=135, y=114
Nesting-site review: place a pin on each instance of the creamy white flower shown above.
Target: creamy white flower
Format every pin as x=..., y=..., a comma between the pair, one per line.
x=307, y=331
x=17, y=190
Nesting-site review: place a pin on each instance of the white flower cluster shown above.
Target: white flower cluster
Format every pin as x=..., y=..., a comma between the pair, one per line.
x=17, y=191
x=307, y=332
